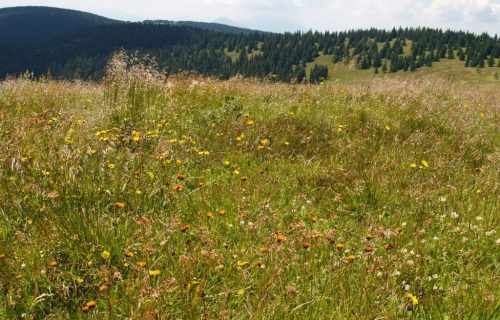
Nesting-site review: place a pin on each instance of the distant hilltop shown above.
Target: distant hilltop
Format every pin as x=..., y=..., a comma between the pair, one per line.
x=203, y=25
x=29, y=25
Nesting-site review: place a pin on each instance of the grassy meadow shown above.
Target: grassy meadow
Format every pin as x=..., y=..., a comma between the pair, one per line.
x=448, y=69
x=191, y=198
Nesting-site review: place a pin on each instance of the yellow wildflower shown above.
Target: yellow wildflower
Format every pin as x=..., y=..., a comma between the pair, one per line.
x=154, y=273
x=105, y=255
x=351, y=258
x=412, y=298
x=242, y=263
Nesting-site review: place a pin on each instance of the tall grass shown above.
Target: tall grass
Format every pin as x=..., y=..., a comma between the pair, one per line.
x=243, y=200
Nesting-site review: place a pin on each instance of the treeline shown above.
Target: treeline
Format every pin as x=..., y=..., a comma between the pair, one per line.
x=280, y=57
x=386, y=50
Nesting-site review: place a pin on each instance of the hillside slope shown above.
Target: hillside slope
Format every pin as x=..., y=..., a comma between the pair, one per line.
x=30, y=25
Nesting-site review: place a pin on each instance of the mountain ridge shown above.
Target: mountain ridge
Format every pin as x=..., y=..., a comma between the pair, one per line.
x=28, y=25
x=213, y=26
x=37, y=24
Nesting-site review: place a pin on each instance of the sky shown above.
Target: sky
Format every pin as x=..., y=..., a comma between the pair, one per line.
x=292, y=15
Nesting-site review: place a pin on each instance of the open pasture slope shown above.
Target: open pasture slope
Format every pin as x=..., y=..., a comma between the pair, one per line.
x=181, y=198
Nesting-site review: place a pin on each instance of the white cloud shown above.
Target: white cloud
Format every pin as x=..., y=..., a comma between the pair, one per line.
x=467, y=10
x=252, y=3
x=473, y=15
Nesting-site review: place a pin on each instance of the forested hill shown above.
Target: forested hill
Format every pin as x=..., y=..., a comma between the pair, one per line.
x=84, y=52
x=28, y=25
x=203, y=25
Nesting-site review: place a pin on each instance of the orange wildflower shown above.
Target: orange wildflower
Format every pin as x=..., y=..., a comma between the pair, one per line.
x=177, y=187
x=120, y=205
x=91, y=304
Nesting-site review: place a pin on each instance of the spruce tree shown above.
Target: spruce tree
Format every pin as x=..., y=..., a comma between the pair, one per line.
x=300, y=74
x=450, y=53
x=384, y=67
x=412, y=65
x=491, y=61
x=461, y=55
x=442, y=52
x=480, y=62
